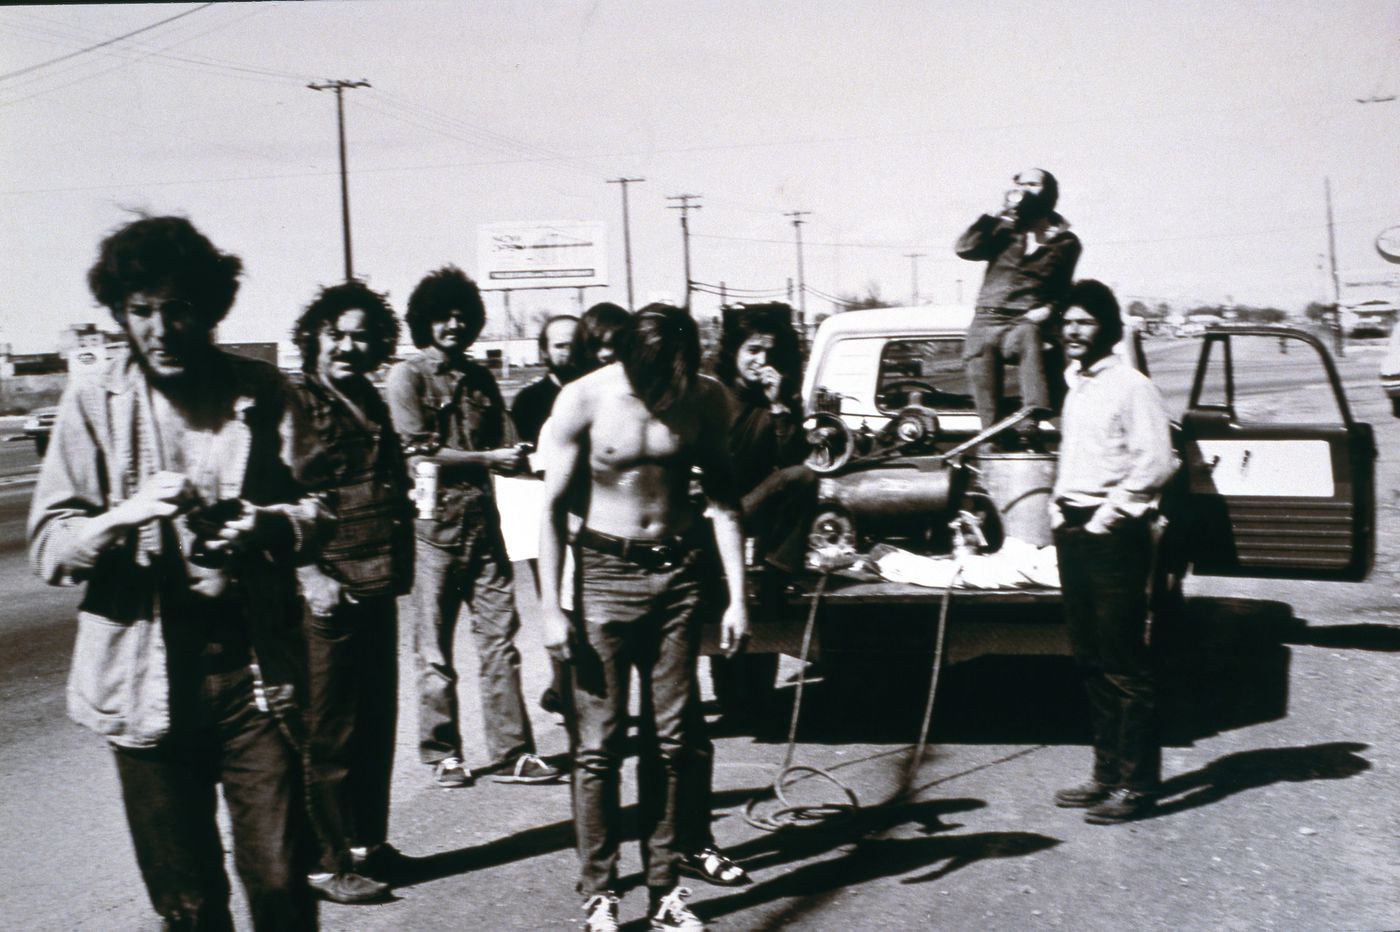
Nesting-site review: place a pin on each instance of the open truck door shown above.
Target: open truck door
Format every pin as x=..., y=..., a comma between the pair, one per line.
x=1278, y=478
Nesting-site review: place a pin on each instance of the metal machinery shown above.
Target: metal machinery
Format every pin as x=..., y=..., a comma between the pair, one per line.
x=897, y=485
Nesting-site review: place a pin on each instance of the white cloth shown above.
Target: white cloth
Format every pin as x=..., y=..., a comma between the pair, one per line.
x=1017, y=565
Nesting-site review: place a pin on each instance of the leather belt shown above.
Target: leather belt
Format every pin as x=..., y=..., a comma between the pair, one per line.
x=660, y=554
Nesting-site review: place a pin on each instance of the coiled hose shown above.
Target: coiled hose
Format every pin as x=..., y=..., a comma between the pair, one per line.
x=788, y=814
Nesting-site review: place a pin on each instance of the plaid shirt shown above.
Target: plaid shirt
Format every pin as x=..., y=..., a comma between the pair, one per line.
x=356, y=469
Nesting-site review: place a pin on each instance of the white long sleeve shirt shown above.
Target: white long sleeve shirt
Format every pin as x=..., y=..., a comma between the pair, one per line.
x=1115, y=448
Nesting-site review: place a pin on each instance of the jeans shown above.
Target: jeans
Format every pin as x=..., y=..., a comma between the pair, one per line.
x=479, y=575
x=778, y=512
x=171, y=792
x=352, y=711
x=642, y=618
x=1104, y=581
x=995, y=337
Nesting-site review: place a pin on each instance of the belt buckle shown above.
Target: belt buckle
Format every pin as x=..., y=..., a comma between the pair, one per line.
x=663, y=556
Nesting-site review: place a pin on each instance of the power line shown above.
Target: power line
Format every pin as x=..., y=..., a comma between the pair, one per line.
x=92, y=48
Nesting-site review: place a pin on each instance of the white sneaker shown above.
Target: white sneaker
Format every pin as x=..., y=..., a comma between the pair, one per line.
x=670, y=912
x=450, y=772
x=601, y=910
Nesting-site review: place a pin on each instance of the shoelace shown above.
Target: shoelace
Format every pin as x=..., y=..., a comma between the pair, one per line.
x=602, y=913
x=673, y=904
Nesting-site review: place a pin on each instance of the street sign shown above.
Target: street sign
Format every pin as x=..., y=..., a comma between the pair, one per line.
x=561, y=254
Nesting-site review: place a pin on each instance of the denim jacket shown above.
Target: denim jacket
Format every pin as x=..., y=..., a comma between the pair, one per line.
x=100, y=454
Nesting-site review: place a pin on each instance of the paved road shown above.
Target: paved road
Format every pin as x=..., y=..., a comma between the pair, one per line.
x=1281, y=763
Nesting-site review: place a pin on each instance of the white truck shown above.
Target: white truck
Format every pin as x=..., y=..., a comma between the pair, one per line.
x=1262, y=492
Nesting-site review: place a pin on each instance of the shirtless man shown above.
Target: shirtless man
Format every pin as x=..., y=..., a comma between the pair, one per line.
x=620, y=449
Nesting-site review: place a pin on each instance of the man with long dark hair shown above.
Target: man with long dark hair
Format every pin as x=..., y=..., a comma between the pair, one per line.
x=621, y=445
x=349, y=456
x=450, y=416
x=1030, y=255
x=167, y=491
x=1115, y=458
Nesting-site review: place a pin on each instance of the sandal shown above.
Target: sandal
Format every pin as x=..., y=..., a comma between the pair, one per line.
x=714, y=866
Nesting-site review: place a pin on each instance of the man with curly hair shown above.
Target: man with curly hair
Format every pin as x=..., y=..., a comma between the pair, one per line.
x=168, y=492
x=449, y=413
x=349, y=456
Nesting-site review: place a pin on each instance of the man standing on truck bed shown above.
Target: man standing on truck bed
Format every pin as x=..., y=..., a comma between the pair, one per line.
x=1030, y=255
x=1115, y=458
x=624, y=438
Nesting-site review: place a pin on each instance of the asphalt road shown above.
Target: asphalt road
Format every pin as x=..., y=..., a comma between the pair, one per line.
x=1281, y=766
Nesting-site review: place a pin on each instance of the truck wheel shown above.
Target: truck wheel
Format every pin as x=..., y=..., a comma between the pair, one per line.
x=744, y=685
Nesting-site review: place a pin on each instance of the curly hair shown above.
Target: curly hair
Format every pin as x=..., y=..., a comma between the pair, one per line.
x=599, y=324
x=439, y=294
x=382, y=325
x=744, y=321
x=660, y=352
x=153, y=252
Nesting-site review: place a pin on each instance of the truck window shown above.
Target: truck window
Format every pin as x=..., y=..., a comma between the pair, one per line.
x=1271, y=380
x=928, y=372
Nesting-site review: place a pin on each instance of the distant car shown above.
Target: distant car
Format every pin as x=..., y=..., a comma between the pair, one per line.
x=38, y=426
x=1390, y=371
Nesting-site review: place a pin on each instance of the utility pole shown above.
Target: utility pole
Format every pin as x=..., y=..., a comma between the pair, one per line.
x=914, y=258
x=1337, y=337
x=339, y=88
x=627, y=235
x=685, y=207
x=797, y=222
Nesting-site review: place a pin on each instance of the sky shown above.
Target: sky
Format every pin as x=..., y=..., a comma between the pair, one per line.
x=1192, y=142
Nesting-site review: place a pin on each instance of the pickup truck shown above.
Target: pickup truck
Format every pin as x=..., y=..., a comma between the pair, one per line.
x=1277, y=480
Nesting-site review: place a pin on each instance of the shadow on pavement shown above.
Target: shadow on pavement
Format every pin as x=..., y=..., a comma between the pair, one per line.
x=1225, y=666
x=1248, y=770
x=532, y=842
x=865, y=855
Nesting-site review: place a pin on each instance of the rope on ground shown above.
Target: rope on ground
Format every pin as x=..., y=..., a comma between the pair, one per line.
x=789, y=814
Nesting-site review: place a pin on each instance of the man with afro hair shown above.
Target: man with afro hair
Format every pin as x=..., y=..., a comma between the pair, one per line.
x=449, y=414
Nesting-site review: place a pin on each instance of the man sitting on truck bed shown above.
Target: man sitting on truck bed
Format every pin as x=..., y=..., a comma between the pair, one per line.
x=1030, y=255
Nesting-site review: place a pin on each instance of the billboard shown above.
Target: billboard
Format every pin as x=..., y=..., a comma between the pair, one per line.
x=562, y=254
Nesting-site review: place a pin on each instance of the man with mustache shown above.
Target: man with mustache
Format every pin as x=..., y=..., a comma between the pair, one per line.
x=1115, y=458
x=167, y=492
x=449, y=414
x=1030, y=255
x=348, y=455
x=531, y=407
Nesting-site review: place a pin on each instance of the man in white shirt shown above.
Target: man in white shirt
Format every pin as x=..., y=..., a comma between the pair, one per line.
x=1115, y=458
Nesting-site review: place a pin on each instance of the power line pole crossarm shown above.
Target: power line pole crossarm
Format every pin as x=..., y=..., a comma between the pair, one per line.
x=340, y=87
x=685, y=207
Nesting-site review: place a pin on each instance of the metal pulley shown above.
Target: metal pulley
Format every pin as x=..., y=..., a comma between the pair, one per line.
x=830, y=442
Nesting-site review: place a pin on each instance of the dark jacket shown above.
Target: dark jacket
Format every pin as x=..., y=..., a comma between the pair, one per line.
x=1015, y=281
x=356, y=471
